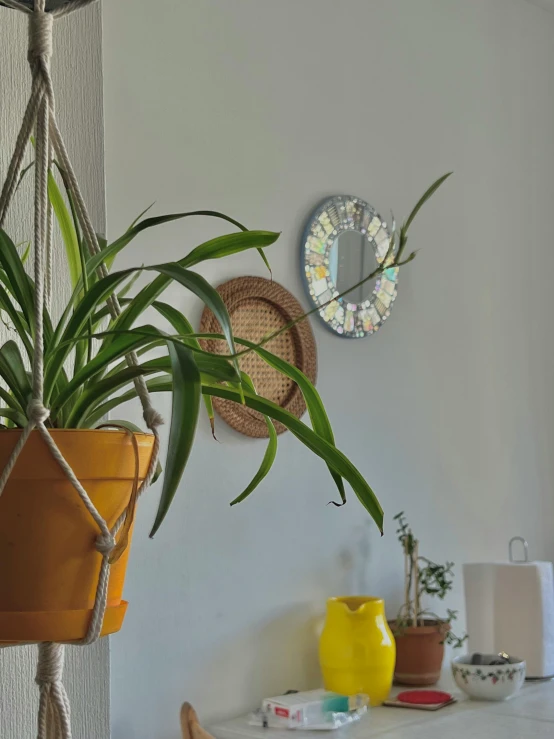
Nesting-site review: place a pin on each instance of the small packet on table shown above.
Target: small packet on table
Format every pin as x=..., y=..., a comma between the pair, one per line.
x=312, y=710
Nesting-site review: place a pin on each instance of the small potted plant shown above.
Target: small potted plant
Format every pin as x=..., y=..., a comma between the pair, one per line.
x=420, y=634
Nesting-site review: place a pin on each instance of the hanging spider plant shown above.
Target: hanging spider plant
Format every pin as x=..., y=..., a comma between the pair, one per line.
x=86, y=376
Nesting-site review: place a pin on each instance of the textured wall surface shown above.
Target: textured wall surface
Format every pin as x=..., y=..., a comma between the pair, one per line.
x=262, y=109
x=77, y=74
x=546, y=4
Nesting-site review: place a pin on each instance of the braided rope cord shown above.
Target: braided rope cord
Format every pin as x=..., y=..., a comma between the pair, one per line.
x=54, y=717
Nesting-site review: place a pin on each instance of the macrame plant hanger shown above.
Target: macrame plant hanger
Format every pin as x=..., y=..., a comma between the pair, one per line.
x=54, y=710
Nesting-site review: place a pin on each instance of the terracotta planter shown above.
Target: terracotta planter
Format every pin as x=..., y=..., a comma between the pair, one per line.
x=48, y=562
x=419, y=653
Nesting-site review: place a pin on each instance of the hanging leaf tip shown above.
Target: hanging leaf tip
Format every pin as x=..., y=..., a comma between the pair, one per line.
x=212, y=427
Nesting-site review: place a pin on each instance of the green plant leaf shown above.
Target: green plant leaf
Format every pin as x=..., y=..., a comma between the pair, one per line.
x=16, y=417
x=329, y=453
x=12, y=402
x=265, y=260
x=184, y=420
x=111, y=250
x=18, y=281
x=126, y=424
x=14, y=373
x=210, y=412
x=202, y=288
x=227, y=244
x=212, y=367
x=101, y=409
x=25, y=254
x=269, y=456
x=68, y=231
x=141, y=215
x=182, y=326
x=171, y=271
x=179, y=322
x=62, y=344
x=15, y=317
x=217, y=368
x=92, y=405
x=119, y=348
x=322, y=448
x=108, y=261
x=104, y=312
x=84, y=349
x=424, y=198
x=129, y=286
x=91, y=398
x=141, y=352
x=24, y=173
x=316, y=410
x=314, y=404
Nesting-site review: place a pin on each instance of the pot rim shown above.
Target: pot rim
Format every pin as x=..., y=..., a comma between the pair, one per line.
x=81, y=431
x=514, y=662
x=92, y=454
x=430, y=626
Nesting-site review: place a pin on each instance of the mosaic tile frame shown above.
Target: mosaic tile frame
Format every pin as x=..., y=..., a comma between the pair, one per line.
x=332, y=217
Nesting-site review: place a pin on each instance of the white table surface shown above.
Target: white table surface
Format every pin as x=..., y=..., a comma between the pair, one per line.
x=528, y=715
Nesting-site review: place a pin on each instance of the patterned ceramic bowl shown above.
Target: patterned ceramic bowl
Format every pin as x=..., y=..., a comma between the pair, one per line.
x=488, y=682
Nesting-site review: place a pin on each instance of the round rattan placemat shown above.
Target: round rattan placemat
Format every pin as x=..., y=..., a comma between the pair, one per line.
x=258, y=307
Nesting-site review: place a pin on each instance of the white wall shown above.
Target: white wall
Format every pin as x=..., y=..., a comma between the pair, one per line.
x=261, y=109
x=77, y=70
x=547, y=4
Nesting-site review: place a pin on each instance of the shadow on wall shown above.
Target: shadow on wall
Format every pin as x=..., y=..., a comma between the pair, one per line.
x=296, y=629
x=245, y=670
x=297, y=667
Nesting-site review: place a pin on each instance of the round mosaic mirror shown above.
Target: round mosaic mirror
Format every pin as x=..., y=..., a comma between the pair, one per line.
x=344, y=241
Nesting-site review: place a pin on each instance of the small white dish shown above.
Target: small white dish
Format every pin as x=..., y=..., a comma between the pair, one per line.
x=489, y=682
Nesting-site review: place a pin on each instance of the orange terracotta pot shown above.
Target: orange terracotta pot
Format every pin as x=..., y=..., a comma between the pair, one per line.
x=49, y=565
x=419, y=653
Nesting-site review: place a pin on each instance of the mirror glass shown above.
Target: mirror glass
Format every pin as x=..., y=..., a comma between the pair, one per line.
x=351, y=258
x=344, y=242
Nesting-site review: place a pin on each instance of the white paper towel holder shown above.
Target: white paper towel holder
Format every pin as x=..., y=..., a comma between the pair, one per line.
x=526, y=627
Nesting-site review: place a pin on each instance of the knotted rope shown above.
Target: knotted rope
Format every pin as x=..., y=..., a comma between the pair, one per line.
x=54, y=712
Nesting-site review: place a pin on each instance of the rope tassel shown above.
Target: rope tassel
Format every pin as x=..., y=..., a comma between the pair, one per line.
x=54, y=720
x=54, y=710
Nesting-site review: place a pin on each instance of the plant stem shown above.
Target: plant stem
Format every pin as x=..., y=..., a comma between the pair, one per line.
x=380, y=269
x=406, y=581
x=415, y=558
x=409, y=551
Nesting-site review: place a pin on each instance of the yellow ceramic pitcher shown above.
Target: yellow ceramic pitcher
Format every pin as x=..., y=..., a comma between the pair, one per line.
x=357, y=651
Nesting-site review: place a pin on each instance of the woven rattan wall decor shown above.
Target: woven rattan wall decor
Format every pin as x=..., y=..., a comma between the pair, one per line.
x=258, y=307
